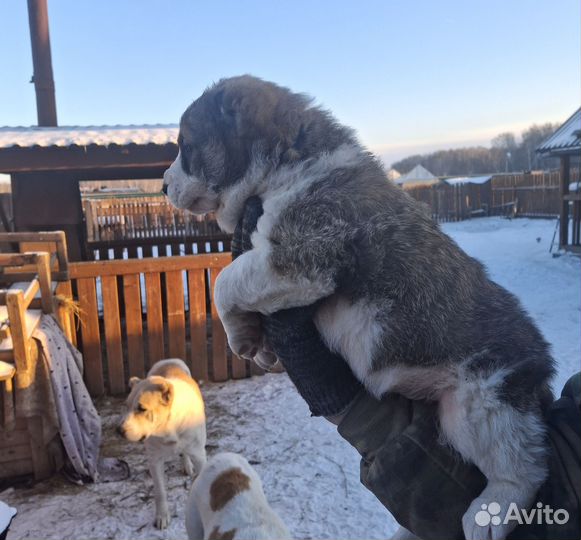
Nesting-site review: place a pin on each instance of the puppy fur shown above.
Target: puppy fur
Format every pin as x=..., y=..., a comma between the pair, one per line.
x=403, y=304
x=227, y=502
x=166, y=411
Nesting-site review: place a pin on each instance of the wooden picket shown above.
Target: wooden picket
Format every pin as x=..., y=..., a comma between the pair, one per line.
x=133, y=310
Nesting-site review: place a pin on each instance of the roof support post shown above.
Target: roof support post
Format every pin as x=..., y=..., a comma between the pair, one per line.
x=564, y=214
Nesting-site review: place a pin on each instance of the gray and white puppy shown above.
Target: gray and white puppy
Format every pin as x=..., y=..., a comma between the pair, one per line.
x=403, y=304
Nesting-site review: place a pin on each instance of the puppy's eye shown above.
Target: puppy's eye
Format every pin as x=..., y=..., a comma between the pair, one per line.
x=186, y=156
x=141, y=409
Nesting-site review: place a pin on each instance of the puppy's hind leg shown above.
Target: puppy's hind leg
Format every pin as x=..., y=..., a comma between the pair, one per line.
x=506, y=444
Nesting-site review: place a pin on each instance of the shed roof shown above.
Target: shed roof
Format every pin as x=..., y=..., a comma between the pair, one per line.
x=566, y=140
x=419, y=175
x=100, y=152
x=62, y=136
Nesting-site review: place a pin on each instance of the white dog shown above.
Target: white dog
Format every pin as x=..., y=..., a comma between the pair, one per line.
x=227, y=502
x=166, y=410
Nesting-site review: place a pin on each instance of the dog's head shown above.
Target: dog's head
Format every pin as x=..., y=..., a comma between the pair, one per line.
x=236, y=122
x=148, y=408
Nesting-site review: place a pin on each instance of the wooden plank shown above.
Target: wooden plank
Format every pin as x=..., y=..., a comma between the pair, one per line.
x=40, y=460
x=133, y=325
x=199, y=349
x=91, y=336
x=113, y=335
x=16, y=468
x=11, y=453
x=176, y=314
x=154, y=264
x=154, y=317
x=219, y=359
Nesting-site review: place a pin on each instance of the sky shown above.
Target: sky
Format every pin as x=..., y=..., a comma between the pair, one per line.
x=410, y=76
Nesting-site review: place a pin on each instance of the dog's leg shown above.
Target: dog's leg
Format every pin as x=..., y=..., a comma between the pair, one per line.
x=188, y=467
x=156, y=469
x=506, y=444
x=250, y=285
x=198, y=457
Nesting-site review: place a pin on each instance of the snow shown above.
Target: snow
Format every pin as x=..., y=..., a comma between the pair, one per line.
x=311, y=475
x=86, y=135
x=468, y=180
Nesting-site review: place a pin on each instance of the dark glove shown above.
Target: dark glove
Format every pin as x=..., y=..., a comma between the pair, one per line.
x=323, y=379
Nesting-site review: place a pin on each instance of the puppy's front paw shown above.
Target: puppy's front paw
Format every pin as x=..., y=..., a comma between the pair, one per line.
x=484, y=520
x=162, y=519
x=244, y=334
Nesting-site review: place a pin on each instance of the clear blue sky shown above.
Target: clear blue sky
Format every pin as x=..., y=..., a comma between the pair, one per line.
x=408, y=75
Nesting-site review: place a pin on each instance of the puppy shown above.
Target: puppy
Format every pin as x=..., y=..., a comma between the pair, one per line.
x=408, y=310
x=227, y=502
x=166, y=411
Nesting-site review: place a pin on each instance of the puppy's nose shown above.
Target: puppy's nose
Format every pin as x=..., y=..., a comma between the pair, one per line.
x=164, y=188
x=120, y=430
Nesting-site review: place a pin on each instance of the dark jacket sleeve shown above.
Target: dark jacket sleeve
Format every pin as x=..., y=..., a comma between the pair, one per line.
x=425, y=485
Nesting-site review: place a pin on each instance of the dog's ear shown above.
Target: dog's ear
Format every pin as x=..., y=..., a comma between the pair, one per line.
x=133, y=381
x=166, y=392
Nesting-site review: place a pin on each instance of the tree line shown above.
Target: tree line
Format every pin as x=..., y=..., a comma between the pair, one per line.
x=506, y=154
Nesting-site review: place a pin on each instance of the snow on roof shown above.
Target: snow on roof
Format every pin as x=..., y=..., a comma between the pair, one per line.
x=86, y=135
x=468, y=180
x=566, y=139
x=418, y=175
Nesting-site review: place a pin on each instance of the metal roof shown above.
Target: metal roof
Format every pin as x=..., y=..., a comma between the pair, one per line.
x=63, y=136
x=566, y=140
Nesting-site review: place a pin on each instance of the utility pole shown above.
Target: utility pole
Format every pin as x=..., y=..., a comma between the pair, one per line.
x=42, y=62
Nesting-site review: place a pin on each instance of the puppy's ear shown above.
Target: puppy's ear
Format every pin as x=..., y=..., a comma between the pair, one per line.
x=133, y=381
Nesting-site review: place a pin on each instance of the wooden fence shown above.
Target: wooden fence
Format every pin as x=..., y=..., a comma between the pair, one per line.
x=453, y=202
x=533, y=194
x=135, y=312
x=132, y=226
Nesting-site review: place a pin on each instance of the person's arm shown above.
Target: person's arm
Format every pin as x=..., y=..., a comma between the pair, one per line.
x=422, y=482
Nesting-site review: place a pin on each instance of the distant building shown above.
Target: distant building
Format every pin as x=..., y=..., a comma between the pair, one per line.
x=418, y=176
x=565, y=144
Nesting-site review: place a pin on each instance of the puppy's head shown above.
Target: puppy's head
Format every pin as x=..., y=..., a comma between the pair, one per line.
x=148, y=408
x=221, y=132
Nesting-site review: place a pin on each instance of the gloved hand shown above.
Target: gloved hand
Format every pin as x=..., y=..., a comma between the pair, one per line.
x=323, y=379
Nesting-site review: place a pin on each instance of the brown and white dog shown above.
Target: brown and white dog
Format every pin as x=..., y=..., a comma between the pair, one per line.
x=166, y=411
x=407, y=309
x=227, y=502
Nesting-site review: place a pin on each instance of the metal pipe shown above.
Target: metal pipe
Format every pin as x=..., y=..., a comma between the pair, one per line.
x=42, y=62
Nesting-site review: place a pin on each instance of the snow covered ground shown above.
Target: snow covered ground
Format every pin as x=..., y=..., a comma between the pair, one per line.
x=310, y=474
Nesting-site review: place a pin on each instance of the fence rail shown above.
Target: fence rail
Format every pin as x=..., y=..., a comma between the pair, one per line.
x=135, y=312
